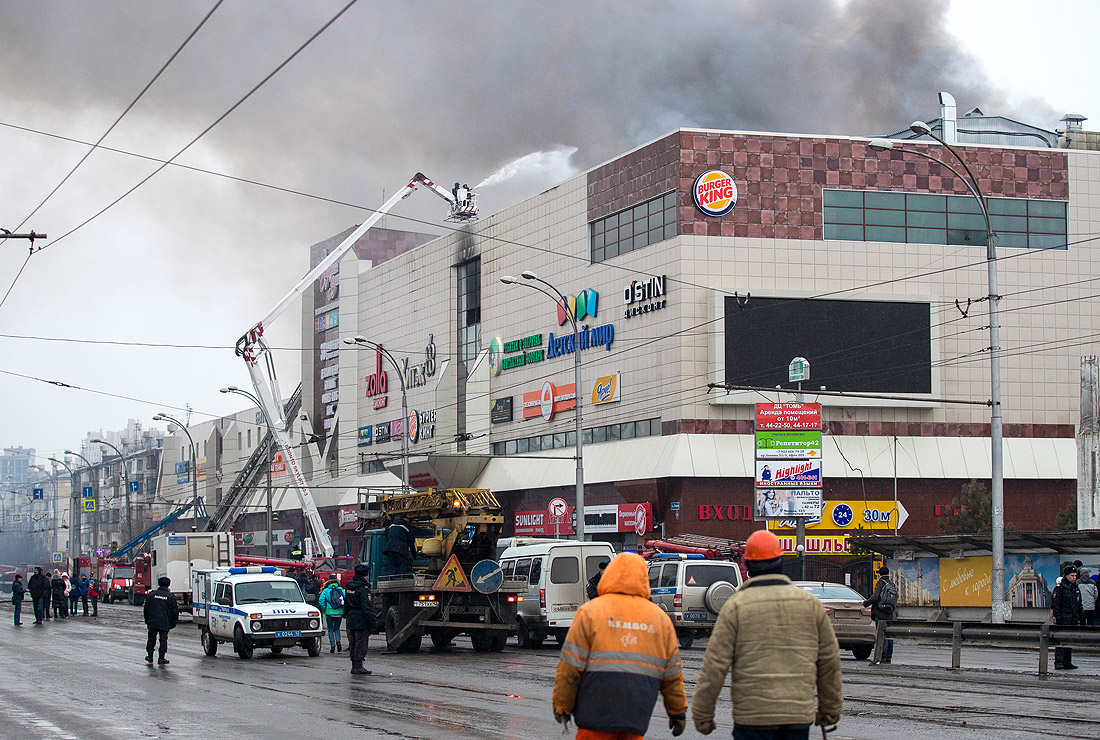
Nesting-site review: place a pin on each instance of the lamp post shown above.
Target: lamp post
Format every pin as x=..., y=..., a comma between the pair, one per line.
x=270, y=447
x=74, y=512
x=125, y=482
x=194, y=472
x=95, y=497
x=360, y=341
x=1000, y=606
x=558, y=298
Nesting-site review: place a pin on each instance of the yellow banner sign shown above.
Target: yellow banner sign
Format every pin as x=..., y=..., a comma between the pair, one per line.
x=966, y=581
x=873, y=515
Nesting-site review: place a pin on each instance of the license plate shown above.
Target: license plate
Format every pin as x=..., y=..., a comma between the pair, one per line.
x=694, y=615
x=841, y=614
x=424, y=603
x=289, y=633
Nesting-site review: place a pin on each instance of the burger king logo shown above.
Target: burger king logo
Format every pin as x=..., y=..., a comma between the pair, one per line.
x=714, y=193
x=414, y=427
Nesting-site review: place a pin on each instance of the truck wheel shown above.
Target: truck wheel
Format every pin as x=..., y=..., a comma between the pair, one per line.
x=482, y=641
x=209, y=644
x=276, y=649
x=241, y=644
x=313, y=647
x=393, y=626
x=499, y=640
x=442, y=637
x=686, y=638
x=862, y=652
x=526, y=639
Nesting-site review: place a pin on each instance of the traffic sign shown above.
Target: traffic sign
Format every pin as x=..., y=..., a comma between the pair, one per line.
x=86, y=492
x=89, y=504
x=36, y=493
x=57, y=557
x=135, y=486
x=452, y=578
x=557, y=507
x=16, y=518
x=487, y=576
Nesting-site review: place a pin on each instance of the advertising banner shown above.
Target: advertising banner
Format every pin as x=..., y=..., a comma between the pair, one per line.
x=548, y=400
x=798, y=445
x=252, y=539
x=819, y=545
x=606, y=518
x=783, y=502
x=501, y=410
x=347, y=517
x=795, y=415
x=874, y=515
x=788, y=474
x=966, y=581
x=543, y=524
x=606, y=389
x=918, y=581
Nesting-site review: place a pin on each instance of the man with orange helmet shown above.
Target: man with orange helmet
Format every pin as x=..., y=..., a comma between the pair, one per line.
x=778, y=641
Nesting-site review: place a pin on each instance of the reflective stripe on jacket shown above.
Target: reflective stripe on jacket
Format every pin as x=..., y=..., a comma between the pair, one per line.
x=620, y=651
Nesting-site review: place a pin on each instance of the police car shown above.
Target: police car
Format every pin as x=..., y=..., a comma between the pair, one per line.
x=251, y=608
x=692, y=590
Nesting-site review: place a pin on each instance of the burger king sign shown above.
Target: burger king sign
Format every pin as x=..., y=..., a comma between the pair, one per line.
x=714, y=193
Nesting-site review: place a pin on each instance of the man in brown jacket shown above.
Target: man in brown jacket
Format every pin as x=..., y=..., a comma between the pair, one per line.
x=781, y=647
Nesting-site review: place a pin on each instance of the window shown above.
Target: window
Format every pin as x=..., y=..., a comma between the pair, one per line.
x=523, y=568
x=633, y=228
x=654, y=576
x=508, y=567
x=249, y=438
x=609, y=433
x=668, y=575
x=704, y=576
x=923, y=218
x=592, y=565
x=565, y=570
x=536, y=571
x=469, y=310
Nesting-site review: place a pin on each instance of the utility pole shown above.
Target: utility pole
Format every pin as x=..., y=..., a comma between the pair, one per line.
x=5, y=234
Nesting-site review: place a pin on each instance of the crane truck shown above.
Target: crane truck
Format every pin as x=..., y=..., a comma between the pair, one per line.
x=257, y=356
x=455, y=586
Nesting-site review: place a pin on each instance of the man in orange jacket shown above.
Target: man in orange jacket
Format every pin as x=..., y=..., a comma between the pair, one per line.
x=620, y=651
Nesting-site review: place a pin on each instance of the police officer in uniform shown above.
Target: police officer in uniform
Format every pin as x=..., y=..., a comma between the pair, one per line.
x=161, y=614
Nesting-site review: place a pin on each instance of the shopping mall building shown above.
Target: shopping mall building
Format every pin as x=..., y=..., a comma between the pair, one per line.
x=714, y=258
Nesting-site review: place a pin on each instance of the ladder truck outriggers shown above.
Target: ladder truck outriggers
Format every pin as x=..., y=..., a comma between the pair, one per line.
x=261, y=367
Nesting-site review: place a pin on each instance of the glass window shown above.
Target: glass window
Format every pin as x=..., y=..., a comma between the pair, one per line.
x=705, y=575
x=1047, y=241
x=926, y=236
x=570, y=439
x=962, y=204
x=928, y=220
x=548, y=441
x=873, y=199
x=1011, y=239
x=636, y=227
x=508, y=567
x=885, y=218
x=964, y=237
x=559, y=439
x=844, y=215
x=1047, y=225
x=523, y=568
x=847, y=233
x=522, y=445
x=259, y=592
x=1007, y=206
x=1046, y=208
x=966, y=221
x=654, y=575
x=1008, y=223
x=884, y=233
x=565, y=569
x=592, y=565
x=925, y=202
x=511, y=447
x=843, y=198
x=536, y=571
x=668, y=575
x=831, y=591
x=627, y=430
x=599, y=434
x=612, y=432
x=587, y=437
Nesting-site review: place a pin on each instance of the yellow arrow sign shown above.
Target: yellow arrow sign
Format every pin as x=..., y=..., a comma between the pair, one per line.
x=874, y=515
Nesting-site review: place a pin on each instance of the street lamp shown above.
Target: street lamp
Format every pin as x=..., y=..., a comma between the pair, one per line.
x=95, y=497
x=558, y=298
x=126, y=482
x=194, y=472
x=270, y=447
x=74, y=512
x=361, y=341
x=1000, y=606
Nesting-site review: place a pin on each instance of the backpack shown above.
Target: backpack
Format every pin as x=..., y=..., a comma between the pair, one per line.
x=888, y=599
x=336, y=597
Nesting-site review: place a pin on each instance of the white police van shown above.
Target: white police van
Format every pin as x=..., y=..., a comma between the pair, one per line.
x=251, y=608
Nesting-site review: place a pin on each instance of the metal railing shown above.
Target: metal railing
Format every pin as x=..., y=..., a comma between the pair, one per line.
x=988, y=635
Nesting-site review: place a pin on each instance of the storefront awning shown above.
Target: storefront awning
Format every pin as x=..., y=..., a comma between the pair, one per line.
x=1016, y=543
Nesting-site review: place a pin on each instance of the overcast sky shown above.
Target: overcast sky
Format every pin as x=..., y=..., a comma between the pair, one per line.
x=459, y=91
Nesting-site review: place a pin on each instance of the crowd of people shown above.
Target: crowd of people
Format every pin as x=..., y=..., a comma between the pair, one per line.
x=56, y=596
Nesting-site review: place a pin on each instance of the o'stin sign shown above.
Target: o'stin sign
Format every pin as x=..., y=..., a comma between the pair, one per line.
x=714, y=193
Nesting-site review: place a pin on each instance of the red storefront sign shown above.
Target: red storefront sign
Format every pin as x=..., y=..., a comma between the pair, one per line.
x=725, y=513
x=347, y=517
x=549, y=400
x=543, y=523
x=788, y=416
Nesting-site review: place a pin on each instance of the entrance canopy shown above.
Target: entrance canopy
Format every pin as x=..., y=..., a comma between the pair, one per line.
x=1016, y=543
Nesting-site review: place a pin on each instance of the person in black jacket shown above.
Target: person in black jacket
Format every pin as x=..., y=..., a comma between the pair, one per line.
x=882, y=610
x=400, y=546
x=17, y=592
x=1066, y=609
x=594, y=581
x=359, y=613
x=57, y=596
x=162, y=613
x=39, y=586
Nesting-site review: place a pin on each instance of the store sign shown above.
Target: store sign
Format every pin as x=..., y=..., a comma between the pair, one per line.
x=714, y=193
x=418, y=375
x=725, y=513
x=788, y=474
x=182, y=474
x=605, y=389
x=788, y=415
x=382, y=433
x=365, y=436
x=515, y=353
x=378, y=383
x=421, y=425
x=278, y=465
x=327, y=320
x=549, y=400
x=818, y=545
x=588, y=336
x=585, y=303
x=798, y=445
x=347, y=517
x=258, y=538
x=644, y=296
x=787, y=502
x=872, y=515
x=543, y=523
x=633, y=518
x=501, y=410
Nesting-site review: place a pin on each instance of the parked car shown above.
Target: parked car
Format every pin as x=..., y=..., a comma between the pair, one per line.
x=557, y=573
x=692, y=590
x=852, y=623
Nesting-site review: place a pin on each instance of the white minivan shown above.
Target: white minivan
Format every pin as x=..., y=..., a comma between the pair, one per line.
x=557, y=573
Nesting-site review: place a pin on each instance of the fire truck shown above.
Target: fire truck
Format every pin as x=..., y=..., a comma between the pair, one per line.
x=454, y=585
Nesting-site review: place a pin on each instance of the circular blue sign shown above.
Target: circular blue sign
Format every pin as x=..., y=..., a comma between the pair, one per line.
x=843, y=515
x=486, y=576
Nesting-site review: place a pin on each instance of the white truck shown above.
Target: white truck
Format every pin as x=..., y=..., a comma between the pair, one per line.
x=253, y=607
x=178, y=555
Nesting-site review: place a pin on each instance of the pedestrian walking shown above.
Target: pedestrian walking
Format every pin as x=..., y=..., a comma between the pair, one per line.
x=161, y=613
x=331, y=602
x=93, y=593
x=593, y=589
x=400, y=546
x=359, y=613
x=884, y=605
x=82, y=590
x=71, y=594
x=782, y=649
x=1065, y=607
x=18, y=590
x=39, y=586
x=58, y=597
x=1088, y=590
x=618, y=655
